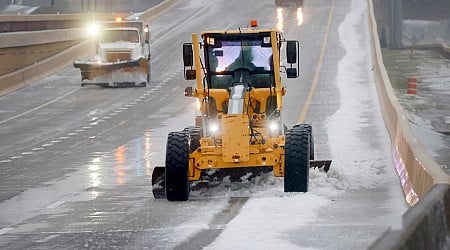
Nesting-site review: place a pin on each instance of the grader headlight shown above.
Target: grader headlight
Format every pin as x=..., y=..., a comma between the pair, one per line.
x=214, y=127
x=273, y=126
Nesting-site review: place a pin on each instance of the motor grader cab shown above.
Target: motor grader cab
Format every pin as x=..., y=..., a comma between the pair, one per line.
x=238, y=129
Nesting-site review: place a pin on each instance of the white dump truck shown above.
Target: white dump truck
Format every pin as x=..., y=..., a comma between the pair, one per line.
x=122, y=55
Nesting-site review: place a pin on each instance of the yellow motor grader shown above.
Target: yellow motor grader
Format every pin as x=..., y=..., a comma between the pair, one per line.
x=238, y=129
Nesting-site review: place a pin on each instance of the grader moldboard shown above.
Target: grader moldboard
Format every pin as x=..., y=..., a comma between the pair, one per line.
x=238, y=129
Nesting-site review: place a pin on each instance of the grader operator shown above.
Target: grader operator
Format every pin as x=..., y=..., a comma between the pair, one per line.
x=239, y=128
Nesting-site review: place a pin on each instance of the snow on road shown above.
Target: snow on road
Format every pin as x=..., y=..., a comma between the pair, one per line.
x=358, y=162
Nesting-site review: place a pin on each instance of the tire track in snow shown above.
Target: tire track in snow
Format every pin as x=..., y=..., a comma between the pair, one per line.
x=204, y=237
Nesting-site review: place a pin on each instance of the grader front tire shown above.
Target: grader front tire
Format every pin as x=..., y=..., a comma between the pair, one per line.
x=177, y=164
x=297, y=156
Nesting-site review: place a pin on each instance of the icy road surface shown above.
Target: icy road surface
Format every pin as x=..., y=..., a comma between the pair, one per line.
x=76, y=162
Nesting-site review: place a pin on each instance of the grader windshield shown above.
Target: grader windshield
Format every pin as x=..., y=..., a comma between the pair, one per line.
x=239, y=58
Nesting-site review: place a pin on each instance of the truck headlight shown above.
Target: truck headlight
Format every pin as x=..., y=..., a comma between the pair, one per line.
x=93, y=29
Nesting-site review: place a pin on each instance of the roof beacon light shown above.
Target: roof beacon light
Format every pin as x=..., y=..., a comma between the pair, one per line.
x=118, y=19
x=253, y=23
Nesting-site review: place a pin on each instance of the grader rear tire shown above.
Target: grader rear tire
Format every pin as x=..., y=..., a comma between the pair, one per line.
x=296, y=166
x=177, y=164
x=194, y=133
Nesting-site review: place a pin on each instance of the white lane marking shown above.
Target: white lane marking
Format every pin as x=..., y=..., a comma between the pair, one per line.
x=5, y=161
x=79, y=130
x=17, y=157
x=38, y=107
x=63, y=137
x=35, y=149
x=72, y=134
x=26, y=153
x=48, y=238
x=55, y=205
x=47, y=145
x=107, y=117
x=175, y=89
x=55, y=141
x=86, y=127
x=5, y=230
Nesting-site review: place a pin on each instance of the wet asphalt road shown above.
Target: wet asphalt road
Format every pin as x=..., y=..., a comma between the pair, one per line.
x=76, y=162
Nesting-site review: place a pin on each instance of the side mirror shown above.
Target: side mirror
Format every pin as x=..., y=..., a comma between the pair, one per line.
x=188, y=55
x=190, y=74
x=291, y=73
x=291, y=52
x=188, y=91
x=147, y=34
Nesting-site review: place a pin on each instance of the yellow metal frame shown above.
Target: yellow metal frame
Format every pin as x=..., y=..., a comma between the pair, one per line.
x=233, y=148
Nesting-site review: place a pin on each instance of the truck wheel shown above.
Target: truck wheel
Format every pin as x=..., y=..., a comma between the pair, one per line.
x=308, y=127
x=194, y=133
x=296, y=160
x=148, y=73
x=177, y=164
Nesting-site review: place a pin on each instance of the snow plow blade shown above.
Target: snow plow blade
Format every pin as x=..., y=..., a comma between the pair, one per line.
x=158, y=182
x=320, y=164
x=158, y=176
x=132, y=72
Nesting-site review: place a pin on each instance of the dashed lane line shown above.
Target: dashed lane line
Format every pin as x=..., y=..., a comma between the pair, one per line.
x=38, y=107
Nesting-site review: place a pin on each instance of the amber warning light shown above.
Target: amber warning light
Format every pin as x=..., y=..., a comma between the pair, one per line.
x=253, y=23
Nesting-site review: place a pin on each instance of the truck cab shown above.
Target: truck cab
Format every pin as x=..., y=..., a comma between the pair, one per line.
x=122, y=56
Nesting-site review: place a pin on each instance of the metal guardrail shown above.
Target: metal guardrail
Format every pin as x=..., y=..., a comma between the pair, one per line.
x=441, y=48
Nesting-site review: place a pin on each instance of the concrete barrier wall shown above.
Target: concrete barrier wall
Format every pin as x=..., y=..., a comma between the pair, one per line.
x=425, y=226
x=426, y=186
x=20, y=49
x=20, y=39
x=19, y=78
x=418, y=171
x=16, y=23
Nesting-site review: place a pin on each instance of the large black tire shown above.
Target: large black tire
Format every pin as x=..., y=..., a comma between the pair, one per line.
x=177, y=164
x=308, y=127
x=194, y=133
x=296, y=160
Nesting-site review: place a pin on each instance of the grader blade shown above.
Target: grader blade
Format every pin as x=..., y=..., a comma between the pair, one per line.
x=325, y=164
x=158, y=182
